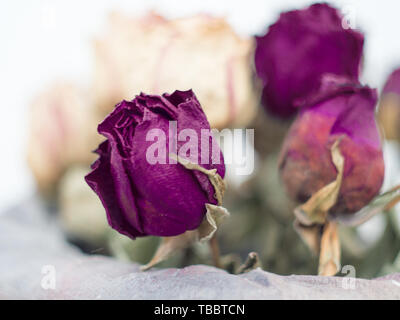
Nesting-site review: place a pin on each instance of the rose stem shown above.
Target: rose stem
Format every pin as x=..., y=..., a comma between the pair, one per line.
x=215, y=251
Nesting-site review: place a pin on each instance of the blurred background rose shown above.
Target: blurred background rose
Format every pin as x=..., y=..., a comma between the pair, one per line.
x=69, y=62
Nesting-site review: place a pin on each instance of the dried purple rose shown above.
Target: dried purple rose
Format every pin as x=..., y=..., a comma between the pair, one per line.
x=164, y=198
x=298, y=49
x=340, y=111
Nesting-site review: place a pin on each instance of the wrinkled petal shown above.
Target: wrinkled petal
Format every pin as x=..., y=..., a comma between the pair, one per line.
x=121, y=211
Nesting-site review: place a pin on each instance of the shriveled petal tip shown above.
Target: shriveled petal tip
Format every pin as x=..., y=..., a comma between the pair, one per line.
x=301, y=47
x=392, y=84
x=214, y=217
x=178, y=97
x=155, y=103
x=175, y=98
x=332, y=85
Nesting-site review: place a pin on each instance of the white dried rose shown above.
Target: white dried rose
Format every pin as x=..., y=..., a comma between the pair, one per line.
x=155, y=55
x=62, y=132
x=81, y=212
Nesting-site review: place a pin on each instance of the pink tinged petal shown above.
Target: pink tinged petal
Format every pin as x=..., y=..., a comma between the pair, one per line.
x=392, y=84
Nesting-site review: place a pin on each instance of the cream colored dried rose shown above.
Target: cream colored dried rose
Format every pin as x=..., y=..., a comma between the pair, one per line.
x=62, y=131
x=81, y=213
x=155, y=55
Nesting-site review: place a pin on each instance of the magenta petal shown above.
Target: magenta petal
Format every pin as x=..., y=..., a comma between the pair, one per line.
x=392, y=84
x=102, y=181
x=358, y=121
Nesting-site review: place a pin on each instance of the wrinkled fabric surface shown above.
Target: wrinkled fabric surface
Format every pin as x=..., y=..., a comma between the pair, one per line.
x=298, y=50
x=341, y=110
x=32, y=248
x=159, y=199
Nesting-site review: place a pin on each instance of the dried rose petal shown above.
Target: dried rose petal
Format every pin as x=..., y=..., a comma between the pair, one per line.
x=392, y=84
x=389, y=106
x=152, y=199
x=298, y=50
x=343, y=111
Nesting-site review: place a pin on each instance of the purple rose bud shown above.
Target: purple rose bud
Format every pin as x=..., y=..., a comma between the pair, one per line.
x=298, y=49
x=339, y=111
x=143, y=197
x=392, y=84
x=389, y=106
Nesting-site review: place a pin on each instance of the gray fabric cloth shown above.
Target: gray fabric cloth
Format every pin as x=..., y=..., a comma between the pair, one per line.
x=37, y=263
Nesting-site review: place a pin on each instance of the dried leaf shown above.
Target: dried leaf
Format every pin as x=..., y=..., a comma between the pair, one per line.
x=315, y=210
x=205, y=232
x=329, y=258
x=214, y=217
x=381, y=203
x=169, y=245
x=312, y=218
x=310, y=234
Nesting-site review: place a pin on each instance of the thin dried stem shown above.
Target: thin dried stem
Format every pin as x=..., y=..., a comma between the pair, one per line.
x=215, y=254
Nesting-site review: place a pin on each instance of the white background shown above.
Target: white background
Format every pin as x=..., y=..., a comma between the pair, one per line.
x=42, y=41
